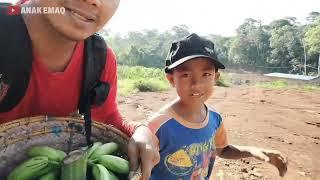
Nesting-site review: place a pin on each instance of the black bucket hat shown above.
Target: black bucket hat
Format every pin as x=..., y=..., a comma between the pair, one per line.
x=190, y=47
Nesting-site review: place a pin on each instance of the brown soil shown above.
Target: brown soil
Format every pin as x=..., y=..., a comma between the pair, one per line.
x=285, y=120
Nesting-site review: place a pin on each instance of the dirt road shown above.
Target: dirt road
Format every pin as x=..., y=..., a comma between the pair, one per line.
x=286, y=120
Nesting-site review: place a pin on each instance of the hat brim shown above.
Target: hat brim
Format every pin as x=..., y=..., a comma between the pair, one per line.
x=216, y=63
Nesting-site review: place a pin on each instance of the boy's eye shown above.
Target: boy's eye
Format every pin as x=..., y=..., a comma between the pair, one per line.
x=207, y=74
x=185, y=75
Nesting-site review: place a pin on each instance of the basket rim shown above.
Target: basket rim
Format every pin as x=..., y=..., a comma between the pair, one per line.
x=33, y=119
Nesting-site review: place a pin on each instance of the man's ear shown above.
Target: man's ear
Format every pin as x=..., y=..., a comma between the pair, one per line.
x=170, y=79
x=217, y=76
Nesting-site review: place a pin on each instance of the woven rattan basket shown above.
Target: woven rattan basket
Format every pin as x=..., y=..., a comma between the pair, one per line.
x=65, y=133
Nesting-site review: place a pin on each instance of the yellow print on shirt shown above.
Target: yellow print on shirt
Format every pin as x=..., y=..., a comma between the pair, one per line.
x=180, y=158
x=184, y=160
x=179, y=163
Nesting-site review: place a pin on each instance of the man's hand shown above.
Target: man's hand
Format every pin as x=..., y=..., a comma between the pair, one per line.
x=142, y=148
x=273, y=157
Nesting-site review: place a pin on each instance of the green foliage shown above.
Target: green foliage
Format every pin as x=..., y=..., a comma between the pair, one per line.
x=223, y=81
x=222, y=45
x=150, y=85
x=251, y=47
x=310, y=88
x=278, y=84
x=147, y=48
x=126, y=86
x=138, y=78
x=313, y=16
x=282, y=84
x=140, y=72
x=312, y=38
x=276, y=47
x=279, y=23
x=287, y=49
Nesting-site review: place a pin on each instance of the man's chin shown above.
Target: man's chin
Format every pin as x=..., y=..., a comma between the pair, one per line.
x=76, y=36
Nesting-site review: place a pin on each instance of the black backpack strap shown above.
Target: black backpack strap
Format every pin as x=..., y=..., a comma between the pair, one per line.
x=15, y=60
x=94, y=92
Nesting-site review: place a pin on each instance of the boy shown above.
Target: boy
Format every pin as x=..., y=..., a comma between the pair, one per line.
x=54, y=87
x=188, y=132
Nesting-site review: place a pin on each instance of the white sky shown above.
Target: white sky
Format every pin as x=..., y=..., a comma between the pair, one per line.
x=204, y=16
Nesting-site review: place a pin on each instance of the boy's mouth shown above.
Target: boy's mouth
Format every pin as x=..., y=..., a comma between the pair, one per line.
x=196, y=94
x=82, y=15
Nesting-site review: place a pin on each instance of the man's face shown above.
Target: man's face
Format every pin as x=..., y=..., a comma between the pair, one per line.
x=82, y=18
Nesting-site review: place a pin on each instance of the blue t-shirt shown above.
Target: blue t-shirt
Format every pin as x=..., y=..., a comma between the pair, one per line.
x=186, y=148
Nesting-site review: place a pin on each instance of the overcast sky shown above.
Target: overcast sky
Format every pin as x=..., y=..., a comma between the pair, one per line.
x=204, y=16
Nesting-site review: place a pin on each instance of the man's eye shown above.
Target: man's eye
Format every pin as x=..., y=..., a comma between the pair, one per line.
x=207, y=74
x=185, y=75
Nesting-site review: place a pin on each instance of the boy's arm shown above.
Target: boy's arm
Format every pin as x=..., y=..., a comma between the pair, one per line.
x=234, y=152
x=227, y=151
x=220, y=141
x=271, y=156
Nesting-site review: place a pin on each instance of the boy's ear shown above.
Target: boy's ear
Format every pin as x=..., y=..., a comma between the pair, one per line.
x=217, y=76
x=170, y=79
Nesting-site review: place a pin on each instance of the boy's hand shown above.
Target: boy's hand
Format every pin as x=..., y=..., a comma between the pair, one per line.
x=142, y=147
x=273, y=157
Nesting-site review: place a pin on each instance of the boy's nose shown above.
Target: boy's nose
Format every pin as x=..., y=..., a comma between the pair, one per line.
x=195, y=83
x=96, y=3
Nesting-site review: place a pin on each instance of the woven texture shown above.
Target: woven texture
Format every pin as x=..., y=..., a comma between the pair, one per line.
x=64, y=133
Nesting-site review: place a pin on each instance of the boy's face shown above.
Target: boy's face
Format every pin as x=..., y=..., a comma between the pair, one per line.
x=194, y=80
x=82, y=18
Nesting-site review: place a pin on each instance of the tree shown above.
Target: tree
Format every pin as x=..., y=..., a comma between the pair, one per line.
x=180, y=31
x=313, y=16
x=222, y=45
x=251, y=45
x=278, y=46
x=279, y=23
x=312, y=39
x=287, y=50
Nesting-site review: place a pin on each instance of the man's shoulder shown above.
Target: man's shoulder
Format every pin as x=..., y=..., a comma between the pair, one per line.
x=111, y=51
x=111, y=56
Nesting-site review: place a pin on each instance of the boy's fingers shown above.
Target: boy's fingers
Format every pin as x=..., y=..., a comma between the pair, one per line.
x=263, y=157
x=149, y=158
x=282, y=168
x=280, y=161
x=147, y=166
x=133, y=154
x=156, y=159
x=283, y=171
